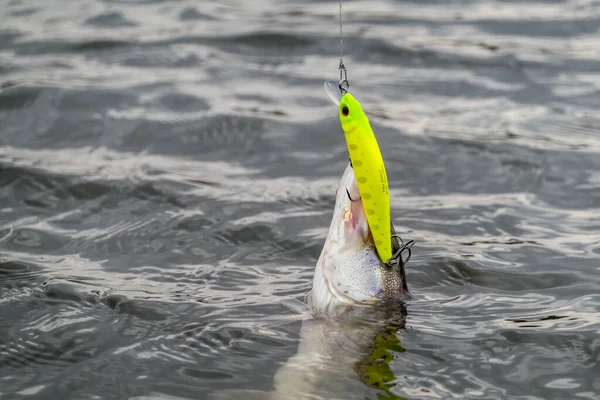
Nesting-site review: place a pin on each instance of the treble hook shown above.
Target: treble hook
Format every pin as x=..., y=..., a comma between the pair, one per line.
x=344, y=85
x=397, y=257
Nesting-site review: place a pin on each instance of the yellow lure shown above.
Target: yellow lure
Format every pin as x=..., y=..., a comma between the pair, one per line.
x=369, y=170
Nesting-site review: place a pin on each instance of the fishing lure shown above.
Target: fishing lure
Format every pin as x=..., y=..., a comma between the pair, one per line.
x=369, y=169
x=366, y=160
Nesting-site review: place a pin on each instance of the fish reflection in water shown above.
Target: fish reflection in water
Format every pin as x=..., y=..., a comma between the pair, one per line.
x=357, y=308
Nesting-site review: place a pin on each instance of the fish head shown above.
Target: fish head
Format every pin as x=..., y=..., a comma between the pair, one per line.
x=349, y=271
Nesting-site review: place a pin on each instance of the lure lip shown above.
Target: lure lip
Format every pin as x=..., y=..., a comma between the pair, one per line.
x=333, y=92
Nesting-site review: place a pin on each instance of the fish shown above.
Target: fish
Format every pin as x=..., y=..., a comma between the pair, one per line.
x=356, y=307
x=349, y=271
x=357, y=302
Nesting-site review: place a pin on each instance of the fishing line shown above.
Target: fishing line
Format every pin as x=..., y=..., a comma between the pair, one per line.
x=343, y=84
x=341, y=35
x=366, y=142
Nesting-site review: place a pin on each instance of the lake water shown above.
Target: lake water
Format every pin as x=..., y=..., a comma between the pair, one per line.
x=168, y=173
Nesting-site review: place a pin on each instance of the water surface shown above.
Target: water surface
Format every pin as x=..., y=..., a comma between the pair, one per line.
x=168, y=174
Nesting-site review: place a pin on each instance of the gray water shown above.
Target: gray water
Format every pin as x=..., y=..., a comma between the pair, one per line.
x=168, y=174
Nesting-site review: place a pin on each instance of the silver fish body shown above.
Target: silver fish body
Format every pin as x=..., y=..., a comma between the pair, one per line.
x=349, y=271
x=349, y=300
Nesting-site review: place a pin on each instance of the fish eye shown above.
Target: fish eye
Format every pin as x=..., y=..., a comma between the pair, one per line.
x=345, y=111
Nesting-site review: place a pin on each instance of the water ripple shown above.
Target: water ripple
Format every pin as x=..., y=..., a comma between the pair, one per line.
x=169, y=169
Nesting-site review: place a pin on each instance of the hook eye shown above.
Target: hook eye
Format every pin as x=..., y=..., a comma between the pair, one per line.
x=344, y=85
x=333, y=92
